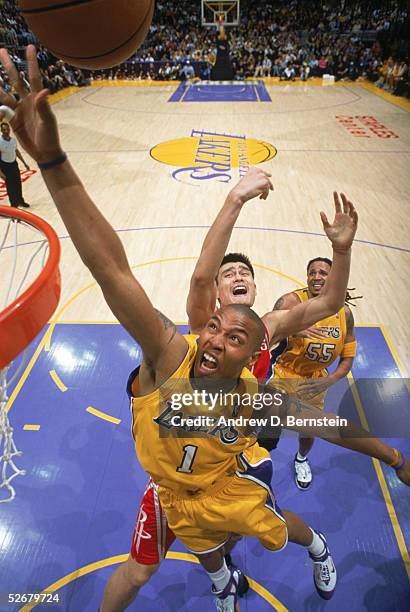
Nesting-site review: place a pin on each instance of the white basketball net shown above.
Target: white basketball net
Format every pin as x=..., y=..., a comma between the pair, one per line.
x=23, y=252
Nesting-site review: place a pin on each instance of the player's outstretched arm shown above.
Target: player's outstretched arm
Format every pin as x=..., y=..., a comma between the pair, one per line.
x=202, y=292
x=311, y=422
x=96, y=241
x=283, y=323
x=350, y=436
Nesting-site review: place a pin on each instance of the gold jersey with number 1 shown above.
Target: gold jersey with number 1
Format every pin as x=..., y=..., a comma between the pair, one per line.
x=173, y=435
x=212, y=480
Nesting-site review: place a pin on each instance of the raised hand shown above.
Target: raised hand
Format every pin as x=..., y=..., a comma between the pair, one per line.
x=34, y=123
x=343, y=229
x=256, y=182
x=309, y=388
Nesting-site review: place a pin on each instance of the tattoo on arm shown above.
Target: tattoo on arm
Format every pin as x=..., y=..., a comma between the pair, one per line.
x=289, y=403
x=300, y=406
x=279, y=304
x=167, y=323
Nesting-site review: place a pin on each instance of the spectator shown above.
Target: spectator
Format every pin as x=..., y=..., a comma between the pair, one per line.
x=352, y=72
x=304, y=72
x=289, y=73
x=400, y=78
x=268, y=41
x=266, y=66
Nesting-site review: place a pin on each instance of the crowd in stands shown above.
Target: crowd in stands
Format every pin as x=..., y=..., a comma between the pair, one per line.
x=294, y=39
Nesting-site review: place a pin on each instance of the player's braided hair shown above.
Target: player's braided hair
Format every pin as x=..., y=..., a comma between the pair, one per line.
x=350, y=298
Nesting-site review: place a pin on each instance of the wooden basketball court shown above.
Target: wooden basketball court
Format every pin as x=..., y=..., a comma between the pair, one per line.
x=108, y=133
x=159, y=171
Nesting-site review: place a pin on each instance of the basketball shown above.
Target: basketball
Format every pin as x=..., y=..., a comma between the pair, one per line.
x=90, y=34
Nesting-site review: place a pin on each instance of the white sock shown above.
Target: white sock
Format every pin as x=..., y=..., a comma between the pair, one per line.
x=317, y=548
x=300, y=457
x=220, y=578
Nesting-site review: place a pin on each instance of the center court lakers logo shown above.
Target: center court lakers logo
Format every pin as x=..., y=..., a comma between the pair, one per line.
x=212, y=156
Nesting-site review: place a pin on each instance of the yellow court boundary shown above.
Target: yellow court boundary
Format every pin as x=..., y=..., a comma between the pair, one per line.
x=388, y=97
x=394, y=355
x=382, y=480
x=103, y=415
x=402, y=103
x=56, y=317
x=45, y=343
x=58, y=381
x=46, y=339
x=171, y=555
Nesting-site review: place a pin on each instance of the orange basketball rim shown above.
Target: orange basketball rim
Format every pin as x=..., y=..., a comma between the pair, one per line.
x=24, y=318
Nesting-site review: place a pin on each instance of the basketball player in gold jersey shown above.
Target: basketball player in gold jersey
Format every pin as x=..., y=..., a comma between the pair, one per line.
x=213, y=485
x=234, y=284
x=301, y=360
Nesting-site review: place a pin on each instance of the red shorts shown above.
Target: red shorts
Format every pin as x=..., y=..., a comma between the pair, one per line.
x=152, y=536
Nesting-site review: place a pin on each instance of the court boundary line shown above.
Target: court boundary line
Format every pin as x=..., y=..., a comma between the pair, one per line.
x=390, y=507
x=57, y=380
x=147, y=150
x=396, y=101
x=239, y=227
x=355, y=97
x=27, y=371
x=391, y=510
x=392, y=350
x=58, y=97
x=171, y=556
x=103, y=415
x=54, y=320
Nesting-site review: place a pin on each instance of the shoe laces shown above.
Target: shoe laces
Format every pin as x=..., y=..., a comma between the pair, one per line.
x=225, y=605
x=303, y=469
x=226, y=602
x=323, y=572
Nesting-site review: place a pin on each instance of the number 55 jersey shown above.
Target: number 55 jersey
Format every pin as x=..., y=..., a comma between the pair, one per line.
x=299, y=358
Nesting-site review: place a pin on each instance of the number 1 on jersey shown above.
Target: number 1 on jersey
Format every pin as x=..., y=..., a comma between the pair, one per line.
x=188, y=459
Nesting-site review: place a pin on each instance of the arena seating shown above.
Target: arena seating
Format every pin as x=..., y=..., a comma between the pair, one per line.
x=292, y=40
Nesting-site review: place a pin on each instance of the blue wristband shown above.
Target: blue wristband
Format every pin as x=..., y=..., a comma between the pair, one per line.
x=54, y=162
x=401, y=464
